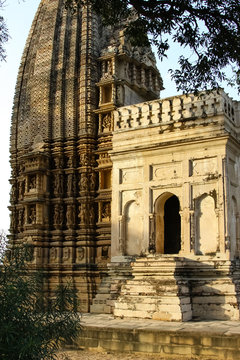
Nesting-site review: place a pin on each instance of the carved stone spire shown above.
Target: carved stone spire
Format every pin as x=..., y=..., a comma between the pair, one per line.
x=54, y=137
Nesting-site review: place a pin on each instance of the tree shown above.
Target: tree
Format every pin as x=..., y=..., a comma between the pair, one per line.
x=4, y=36
x=32, y=326
x=210, y=29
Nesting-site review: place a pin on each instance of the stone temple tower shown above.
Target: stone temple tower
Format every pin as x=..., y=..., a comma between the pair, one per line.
x=73, y=75
x=134, y=198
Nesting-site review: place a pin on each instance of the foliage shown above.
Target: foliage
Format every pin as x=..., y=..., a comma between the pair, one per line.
x=4, y=36
x=210, y=29
x=31, y=326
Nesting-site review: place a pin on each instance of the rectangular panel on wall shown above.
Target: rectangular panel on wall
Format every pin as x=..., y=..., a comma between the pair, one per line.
x=232, y=171
x=131, y=175
x=170, y=170
x=204, y=166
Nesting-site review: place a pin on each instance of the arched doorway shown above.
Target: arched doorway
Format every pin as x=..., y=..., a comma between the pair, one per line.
x=172, y=226
x=168, y=224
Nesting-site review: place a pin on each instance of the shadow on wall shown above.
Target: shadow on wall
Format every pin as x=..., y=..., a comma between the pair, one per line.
x=213, y=287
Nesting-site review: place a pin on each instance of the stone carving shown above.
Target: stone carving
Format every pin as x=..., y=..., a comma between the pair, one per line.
x=21, y=189
x=56, y=163
x=58, y=184
x=104, y=159
x=87, y=159
x=32, y=215
x=84, y=159
x=53, y=254
x=13, y=220
x=127, y=72
x=32, y=183
x=59, y=162
x=107, y=68
x=70, y=184
x=61, y=215
x=105, y=251
x=91, y=215
x=82, y=214
x=74, y=183
x=71, y=161
x=21, y=219
x=80, y=254
x=13, y=194
x=70, y=215
x=39, y=253
x=66, y=254
x=106, y=212
x=106, y=123
x=14, y=171
x=84, y=182
x=92, y=181
x=56, y=216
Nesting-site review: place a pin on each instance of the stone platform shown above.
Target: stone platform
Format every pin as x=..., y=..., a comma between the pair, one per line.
x=193, y=339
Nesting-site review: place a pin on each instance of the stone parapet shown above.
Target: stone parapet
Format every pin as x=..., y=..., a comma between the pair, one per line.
x=177, y=109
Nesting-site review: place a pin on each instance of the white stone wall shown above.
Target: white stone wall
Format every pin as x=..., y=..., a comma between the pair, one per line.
x=182, y=146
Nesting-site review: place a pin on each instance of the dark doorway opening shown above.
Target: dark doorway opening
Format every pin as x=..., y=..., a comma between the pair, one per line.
x=172, y=226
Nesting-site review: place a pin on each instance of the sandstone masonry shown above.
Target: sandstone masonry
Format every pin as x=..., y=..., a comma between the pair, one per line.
x=135, y=199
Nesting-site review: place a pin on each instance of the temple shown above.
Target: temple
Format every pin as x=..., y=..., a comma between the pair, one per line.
x=134, y=198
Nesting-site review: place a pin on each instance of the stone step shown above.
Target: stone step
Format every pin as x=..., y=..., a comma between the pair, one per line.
x=155, y=291
x=123, y=303
x=98, y=302
x=104, y=289
x=97, y=308
x=214, y=288
x=203, y=340
x=142, y=290
x=214, y=299
x=163, y=316
x=156, y=300
x=101, y=296
x=109, y=288
x=111, y=302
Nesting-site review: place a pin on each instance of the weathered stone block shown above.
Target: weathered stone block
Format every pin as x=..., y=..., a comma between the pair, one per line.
x=180, y=350
x=184, y=340
x=166, y=316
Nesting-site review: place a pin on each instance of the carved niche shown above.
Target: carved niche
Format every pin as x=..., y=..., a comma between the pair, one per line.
x=206, y=229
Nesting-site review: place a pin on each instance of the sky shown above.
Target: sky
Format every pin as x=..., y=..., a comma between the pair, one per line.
x=19, y=15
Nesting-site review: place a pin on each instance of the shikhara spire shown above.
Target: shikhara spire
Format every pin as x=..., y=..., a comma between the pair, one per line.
x=73, y=74
x=112, y=185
